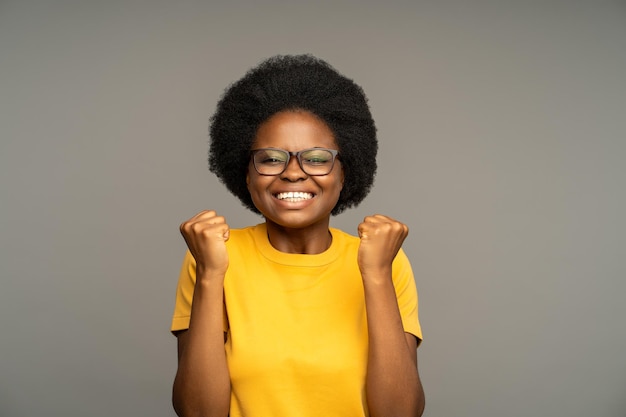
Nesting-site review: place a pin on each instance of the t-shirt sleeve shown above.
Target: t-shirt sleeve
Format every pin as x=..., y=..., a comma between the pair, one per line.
x=184, y=295
x=406, y=293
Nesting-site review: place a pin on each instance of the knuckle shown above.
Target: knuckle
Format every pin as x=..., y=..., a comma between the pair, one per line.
x=185, y=226
x=196, y=227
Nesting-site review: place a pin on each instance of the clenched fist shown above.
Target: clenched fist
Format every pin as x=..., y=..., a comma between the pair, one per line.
x=206, y=234
x=381, y=239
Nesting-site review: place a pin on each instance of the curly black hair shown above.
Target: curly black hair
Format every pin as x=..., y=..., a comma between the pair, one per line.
x=294, y=82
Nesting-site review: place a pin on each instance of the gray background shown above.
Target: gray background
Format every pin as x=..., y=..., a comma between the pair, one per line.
x=502, y=130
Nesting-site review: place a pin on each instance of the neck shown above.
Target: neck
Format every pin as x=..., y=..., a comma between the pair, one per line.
x=311, y=240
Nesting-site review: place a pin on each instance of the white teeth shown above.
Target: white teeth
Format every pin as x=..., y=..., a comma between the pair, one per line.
x=294, y=196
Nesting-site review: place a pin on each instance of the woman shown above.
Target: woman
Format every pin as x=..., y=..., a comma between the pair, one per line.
x=291, y=317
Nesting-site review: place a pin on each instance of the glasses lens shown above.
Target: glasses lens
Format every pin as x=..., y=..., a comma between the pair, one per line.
x=317, y=161
x=270, y=161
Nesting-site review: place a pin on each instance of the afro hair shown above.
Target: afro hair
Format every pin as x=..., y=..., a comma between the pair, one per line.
x=292, y=83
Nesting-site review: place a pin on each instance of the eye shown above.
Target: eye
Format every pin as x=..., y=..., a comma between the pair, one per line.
x=316, y=157
x=271, y=160
x=271, y=157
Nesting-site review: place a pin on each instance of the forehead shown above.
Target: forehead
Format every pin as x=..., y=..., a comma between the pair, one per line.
x=293, y=131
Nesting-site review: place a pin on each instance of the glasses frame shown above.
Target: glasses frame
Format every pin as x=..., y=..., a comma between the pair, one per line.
x=298, y=155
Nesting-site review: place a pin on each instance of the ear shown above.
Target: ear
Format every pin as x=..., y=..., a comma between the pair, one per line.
x=343, y=175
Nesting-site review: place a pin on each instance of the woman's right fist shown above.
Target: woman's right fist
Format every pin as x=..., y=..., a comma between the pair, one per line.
x=206, y=234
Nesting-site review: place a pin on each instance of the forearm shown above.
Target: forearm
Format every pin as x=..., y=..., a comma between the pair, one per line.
x=393, y=385
x=202, y=383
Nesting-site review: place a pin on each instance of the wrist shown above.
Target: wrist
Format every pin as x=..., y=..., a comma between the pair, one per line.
x=377, y=275
x=204, y=274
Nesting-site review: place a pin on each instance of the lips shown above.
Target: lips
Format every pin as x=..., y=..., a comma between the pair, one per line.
x=294, y=196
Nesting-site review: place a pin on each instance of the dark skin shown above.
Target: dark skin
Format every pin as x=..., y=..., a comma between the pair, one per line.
x=202, y=383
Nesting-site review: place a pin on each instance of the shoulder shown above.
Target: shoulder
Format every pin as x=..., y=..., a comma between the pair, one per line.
x=245, y=234
x=247, y=239
x=342, y=238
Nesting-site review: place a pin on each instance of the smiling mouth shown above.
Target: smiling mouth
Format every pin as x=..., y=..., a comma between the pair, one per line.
x=294, y=196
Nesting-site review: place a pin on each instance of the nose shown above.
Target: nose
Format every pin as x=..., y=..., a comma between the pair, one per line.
x=293, y=171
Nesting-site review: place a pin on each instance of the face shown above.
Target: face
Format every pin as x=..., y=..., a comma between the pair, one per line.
x=316, y=195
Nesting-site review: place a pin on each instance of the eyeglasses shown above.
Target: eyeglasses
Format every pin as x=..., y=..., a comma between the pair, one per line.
x=313, y=161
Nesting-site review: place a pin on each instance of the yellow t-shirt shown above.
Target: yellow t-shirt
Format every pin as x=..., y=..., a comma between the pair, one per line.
x=296, y=325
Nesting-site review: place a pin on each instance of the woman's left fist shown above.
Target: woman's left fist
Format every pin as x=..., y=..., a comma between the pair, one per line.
x=381, y=239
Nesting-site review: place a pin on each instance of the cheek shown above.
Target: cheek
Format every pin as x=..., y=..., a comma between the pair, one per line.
x=252, y=180
x=341, y=180
x=257, y=184
x=336, y=185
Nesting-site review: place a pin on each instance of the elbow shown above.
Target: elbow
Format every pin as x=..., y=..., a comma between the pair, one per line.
x=421, y=401
x=183, y=406
x=420, y=408
x=178, y=403
x=406, y=405
x=184, y=409
x=193, y=403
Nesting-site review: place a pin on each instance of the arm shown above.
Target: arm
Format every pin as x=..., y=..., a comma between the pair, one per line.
x=202, y=383
x=393, y=385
